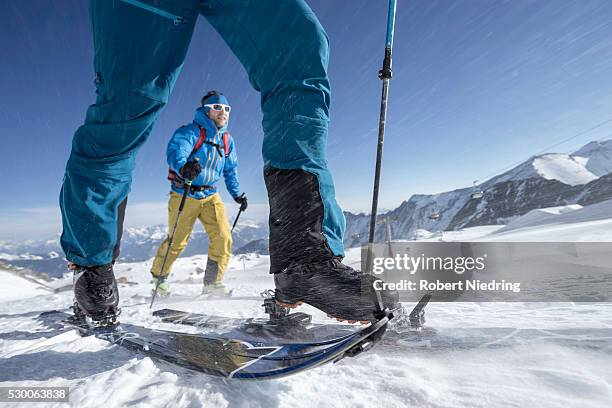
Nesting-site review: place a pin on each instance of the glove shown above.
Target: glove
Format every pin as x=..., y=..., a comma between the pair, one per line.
x=242, y=200
x=191, y=170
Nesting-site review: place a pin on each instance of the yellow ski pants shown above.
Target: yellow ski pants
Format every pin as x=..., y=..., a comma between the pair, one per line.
x=211, y=213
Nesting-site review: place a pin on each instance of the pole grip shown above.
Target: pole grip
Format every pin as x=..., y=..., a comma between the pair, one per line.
x=187, y=184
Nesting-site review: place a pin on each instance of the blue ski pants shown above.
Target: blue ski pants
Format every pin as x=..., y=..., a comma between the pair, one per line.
x=140, y=46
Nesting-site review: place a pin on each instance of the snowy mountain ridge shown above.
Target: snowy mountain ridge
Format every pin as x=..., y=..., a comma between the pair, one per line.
x=586, y=164
x=598, y=155
x=549, y=180
x=137, y=244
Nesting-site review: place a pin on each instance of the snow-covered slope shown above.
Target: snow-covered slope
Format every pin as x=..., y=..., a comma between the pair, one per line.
x=536, y=372
x=588, y=163
x=571, y=223
x=539, y=217
x=564, y=168
x=14, y=287
x=548, y=370
x=561, y=224
x=561, y=167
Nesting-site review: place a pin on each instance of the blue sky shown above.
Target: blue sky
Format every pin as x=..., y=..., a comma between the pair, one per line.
x=478, y=85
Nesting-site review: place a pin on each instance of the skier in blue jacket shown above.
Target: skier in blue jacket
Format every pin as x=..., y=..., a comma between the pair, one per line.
x=202, y=152
x=140, y=46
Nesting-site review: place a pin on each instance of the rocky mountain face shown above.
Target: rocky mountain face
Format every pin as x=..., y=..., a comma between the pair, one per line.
x=549, y=180
x=258, y=246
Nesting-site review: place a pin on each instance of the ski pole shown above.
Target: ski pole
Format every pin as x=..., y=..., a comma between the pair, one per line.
x=171, y=236
x=238, y=216
x=385, y=75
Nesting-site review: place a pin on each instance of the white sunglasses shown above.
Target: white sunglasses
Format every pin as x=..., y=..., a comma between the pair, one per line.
x=218, y=107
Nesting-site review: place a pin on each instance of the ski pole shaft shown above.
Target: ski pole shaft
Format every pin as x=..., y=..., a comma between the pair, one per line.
x=237, y=216
x=171, y=237
x=385, y=75
x=236, y=220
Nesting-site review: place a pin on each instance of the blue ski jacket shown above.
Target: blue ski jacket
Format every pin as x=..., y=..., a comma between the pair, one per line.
x=213, y=161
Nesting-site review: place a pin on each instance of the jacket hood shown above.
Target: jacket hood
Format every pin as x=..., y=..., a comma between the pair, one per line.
x=205, y=122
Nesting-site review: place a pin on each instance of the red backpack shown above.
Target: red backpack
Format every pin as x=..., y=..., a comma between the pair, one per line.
x=174, y=177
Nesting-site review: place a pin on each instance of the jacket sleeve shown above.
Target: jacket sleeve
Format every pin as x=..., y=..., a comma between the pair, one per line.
x=230, y=171
x=179, y=148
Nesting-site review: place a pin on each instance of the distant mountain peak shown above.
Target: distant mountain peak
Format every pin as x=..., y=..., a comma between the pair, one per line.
x=597, y=157
x=586, y=164
x=593, y=147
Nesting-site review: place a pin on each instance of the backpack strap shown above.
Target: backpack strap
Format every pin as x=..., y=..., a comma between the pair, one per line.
x=175, y=178
x=200, y=140
x=226, y=147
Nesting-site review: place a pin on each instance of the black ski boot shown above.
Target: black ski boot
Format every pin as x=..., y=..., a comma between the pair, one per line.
x=96, y=295
x=331, y=286
x=304, y=267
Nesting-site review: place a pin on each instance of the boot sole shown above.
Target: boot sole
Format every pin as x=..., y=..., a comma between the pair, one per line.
x=340, y=319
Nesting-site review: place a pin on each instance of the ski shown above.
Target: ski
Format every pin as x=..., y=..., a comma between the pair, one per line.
x=281, y=325
x=178, y=298
x=298, y=327
x=230, y=355
x=280, y=317
x=405, y=333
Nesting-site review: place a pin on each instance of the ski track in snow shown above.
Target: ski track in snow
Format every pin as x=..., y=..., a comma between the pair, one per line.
x=521, y=373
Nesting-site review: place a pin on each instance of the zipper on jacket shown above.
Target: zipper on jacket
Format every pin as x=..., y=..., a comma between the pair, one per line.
x=220, y=153
x=177, y=20
x=205, y=172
